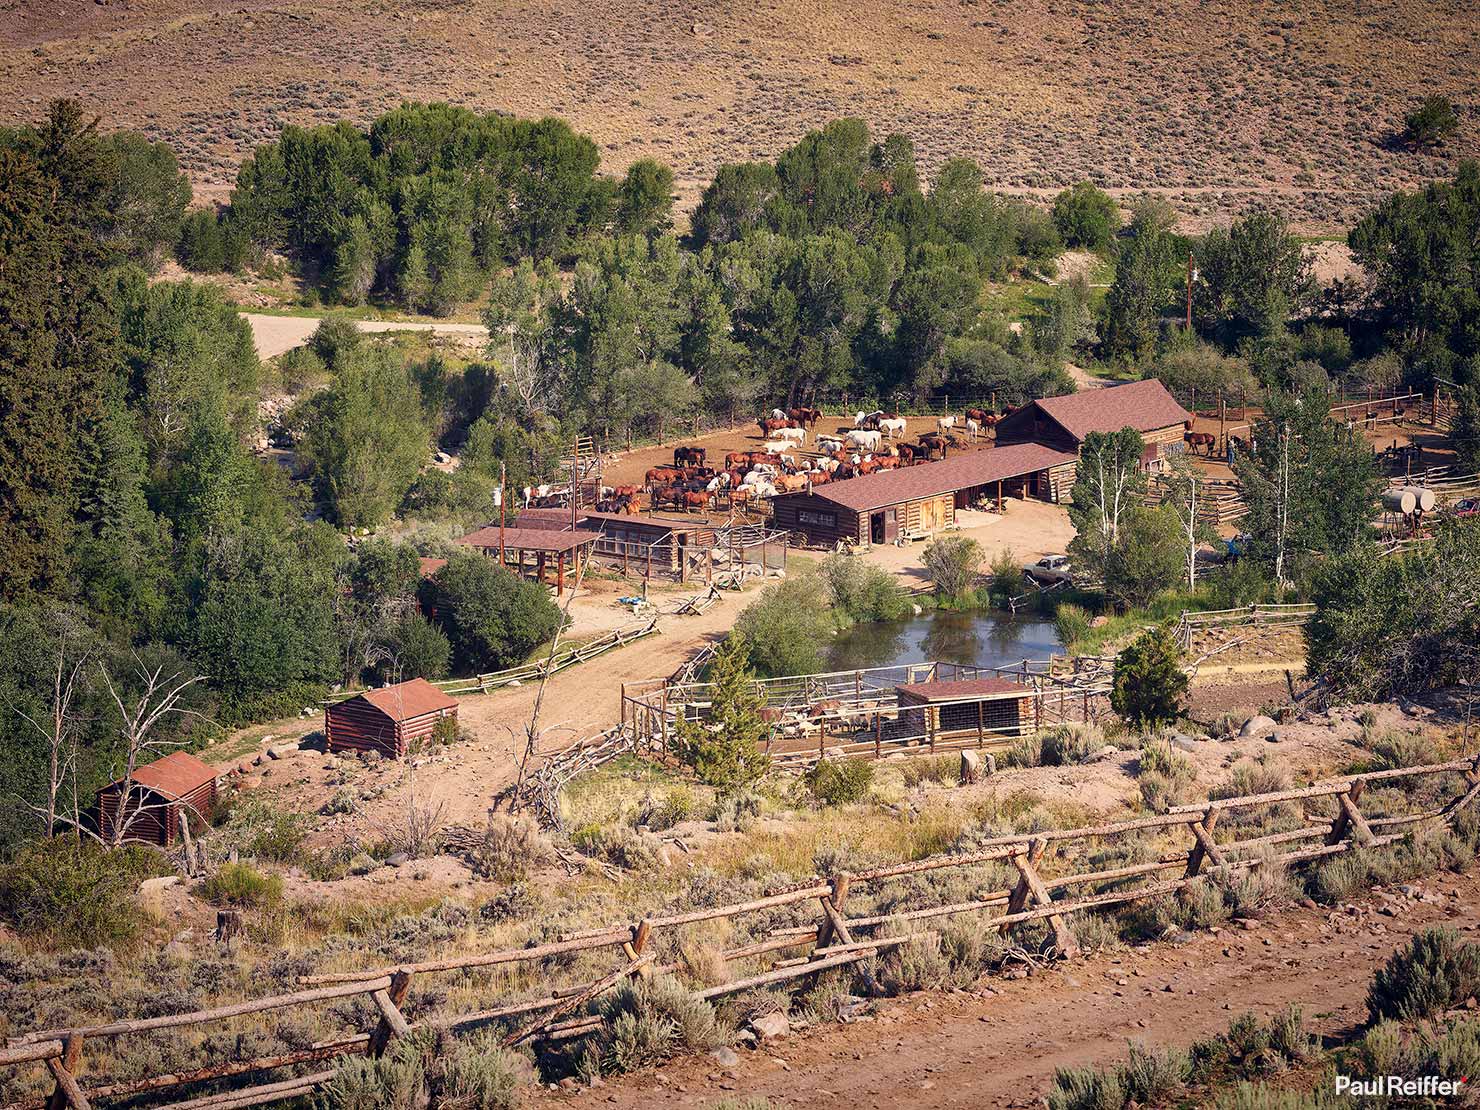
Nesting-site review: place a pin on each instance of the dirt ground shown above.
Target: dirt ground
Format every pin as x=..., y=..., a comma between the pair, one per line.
x=275, y=334
x=998, y=1046
x=1206, y=104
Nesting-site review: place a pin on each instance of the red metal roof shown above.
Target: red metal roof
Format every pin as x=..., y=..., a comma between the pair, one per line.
x=1144, y=405
x=530, y=539
x=963, y=689
x=979, y=468
x=429, y=567
x=406, y=700
x=175, y=775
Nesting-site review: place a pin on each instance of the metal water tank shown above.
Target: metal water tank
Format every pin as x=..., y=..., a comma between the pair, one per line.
x=1399, y=500
x=1423, y=498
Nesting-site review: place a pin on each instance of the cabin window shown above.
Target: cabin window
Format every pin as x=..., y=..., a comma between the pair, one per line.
x=822, y=520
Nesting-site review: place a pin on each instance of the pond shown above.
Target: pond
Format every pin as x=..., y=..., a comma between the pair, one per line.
x=982, y=637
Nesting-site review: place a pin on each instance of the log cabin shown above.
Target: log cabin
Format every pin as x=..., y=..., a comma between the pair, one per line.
x=1064, y=422
x=387, y=720
x=922, y=500
x=153, y=806
x=992, y=712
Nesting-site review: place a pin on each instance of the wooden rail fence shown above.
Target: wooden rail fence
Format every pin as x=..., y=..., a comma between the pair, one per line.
x=1251, y=616
x=832, y=939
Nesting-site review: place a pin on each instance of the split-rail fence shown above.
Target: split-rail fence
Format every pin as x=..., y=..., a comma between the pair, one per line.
x=834, y=939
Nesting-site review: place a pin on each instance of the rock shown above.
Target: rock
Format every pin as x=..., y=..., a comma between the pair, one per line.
x=1275, y=737
x=363, y=864
x=770, y=1027
x=397, y=860
x=1257, y=725
x=725, y=1057
x=1109, y=751
x=1183, y=741
x=282, y=751
x=746, y=1037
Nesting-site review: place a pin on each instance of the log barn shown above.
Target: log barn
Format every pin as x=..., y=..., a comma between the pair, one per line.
x=1063, y=422
x=159, y=793
x=991, y=711
x=623, y=535
x=388, y=719
x=921, y=500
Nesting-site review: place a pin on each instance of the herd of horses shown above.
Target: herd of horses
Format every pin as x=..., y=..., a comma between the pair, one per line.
x=875, y=442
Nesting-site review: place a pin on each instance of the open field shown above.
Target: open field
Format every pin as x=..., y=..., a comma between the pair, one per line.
x=1215, y=105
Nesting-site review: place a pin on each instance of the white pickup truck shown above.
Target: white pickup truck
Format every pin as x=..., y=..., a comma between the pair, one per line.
x=1050, y=569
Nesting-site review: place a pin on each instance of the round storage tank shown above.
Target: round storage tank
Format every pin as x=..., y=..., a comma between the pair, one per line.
x=1423, y=498
x=1399, y=500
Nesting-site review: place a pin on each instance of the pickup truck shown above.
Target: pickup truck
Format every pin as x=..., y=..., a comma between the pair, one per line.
x=1050, y=569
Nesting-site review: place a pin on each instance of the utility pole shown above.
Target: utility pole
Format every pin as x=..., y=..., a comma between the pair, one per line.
x=502, y=497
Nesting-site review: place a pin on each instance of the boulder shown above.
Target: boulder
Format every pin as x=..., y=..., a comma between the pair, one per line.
x=725, y=1057
x=397, y=859
x=771, y=1027
x=1257, y=725
x=1109, y=751
x=282, y=751
x=1183, y=741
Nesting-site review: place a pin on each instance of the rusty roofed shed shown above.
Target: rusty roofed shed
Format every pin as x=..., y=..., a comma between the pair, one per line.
x=153, y=800
x=509, y=545
x=387, y=720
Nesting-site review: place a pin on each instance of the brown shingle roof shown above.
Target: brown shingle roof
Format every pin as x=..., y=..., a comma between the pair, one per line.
x=175, y=775
x=406, y=700
x=530, y=539
x=979, y=468
x=1144, y=406
x=963, y=689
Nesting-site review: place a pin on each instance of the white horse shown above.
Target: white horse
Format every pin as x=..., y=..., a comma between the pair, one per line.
x=793, y=435
x=892, y=428
x=944, y=423
x=973, y=429
x=868, y=441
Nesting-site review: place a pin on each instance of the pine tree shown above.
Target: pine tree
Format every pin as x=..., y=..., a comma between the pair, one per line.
x=724, y=749
x=1149, y=682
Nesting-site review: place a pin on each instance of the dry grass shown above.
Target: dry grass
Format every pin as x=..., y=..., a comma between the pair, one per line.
x=1212, y=106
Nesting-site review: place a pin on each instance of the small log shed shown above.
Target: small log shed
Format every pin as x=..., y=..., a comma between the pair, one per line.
x=388, y=719
x=991, y=711
x=160, y=790
x=509, y=546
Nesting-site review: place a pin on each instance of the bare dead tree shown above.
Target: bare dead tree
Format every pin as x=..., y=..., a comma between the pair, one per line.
x=59, y=728
x=160, y=698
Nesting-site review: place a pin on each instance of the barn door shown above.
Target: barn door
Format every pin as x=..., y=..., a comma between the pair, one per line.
x=891, y=525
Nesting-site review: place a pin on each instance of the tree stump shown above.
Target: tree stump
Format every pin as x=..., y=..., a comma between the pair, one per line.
x=228, y=926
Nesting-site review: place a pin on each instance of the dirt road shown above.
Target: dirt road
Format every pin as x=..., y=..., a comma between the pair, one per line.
x=998, y=1047
x=275, y=334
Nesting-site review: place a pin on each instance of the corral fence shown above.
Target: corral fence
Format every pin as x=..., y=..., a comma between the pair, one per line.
x=1220, y=501
x=1248, y=616
x=1058, y=873
x=738, y=550
x=859, y=712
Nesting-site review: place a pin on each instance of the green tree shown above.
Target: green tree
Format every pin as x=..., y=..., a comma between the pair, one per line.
x=1108, y=486
x=1199, y=371
x=1254, y=277
x=146, y=199
x=784, y=629
x=645, y=199
x=953, y=562
x=1432, y=122
x=1311, y=484
x=1465, y=434
x=365, y=438
x=1390, y=626
x=1149, y=684
x=735, y=202
x=1149, y=556
x=724, y=747
x=1086, y=216
x=493, y=619
x=1147, y=279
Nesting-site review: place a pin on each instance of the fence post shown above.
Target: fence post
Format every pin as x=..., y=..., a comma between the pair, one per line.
x=1030, y=887
x=1349, y=819
x=1203, y=848
x=68, y=1094
x=392, y=1023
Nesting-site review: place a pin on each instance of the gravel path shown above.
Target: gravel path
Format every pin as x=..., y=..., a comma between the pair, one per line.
x=275, y=334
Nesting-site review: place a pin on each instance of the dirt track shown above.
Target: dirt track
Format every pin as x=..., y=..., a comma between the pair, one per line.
x=273, y=335
x=999, y=1047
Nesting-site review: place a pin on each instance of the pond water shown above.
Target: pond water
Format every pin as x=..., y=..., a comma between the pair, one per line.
x=982, y=637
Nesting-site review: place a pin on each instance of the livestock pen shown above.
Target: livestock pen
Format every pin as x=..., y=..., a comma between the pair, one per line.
x=875, y=712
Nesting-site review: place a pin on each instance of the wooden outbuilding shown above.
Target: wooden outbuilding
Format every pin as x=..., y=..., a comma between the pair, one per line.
x=153, y=801
x=1064, y=422
x=388, y=719
x=565, y=547
x=921, y=500
x=660, y=542
x=989, y=711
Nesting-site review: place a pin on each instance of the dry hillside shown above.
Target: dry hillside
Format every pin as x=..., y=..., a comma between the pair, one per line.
x=1214, y=103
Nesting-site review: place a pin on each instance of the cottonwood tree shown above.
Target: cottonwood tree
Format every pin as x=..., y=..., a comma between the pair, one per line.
x=1108, y=484
x=161, y=696
x=1183, y=489
x=59, y=728
x=519, y=325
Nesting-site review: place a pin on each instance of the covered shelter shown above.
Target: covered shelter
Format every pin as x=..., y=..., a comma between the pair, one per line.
x=989, y=711
x=566, y=548
x=921, y=500
x=388, y=719
x=154, y=800
x=653, y=542
x=1063, y=423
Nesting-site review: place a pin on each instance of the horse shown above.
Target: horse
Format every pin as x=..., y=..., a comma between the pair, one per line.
x=868, y=440
x=805, y=417
x=792, y=435
x=944, y=422
x=684, y=456
x=892, y=426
